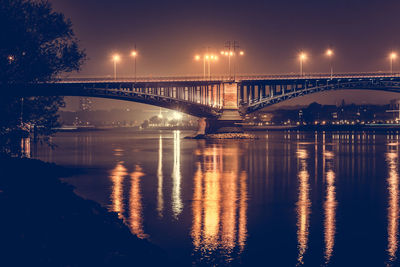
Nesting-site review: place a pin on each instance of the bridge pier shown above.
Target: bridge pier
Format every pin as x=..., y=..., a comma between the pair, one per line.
x=230, y=119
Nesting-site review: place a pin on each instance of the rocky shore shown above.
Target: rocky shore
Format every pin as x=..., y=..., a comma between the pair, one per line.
x=44, y=223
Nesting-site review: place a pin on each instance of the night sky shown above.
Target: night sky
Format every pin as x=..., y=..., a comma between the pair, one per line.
x=169, y=33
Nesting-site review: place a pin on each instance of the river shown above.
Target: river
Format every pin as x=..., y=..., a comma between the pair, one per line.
x=286, y=199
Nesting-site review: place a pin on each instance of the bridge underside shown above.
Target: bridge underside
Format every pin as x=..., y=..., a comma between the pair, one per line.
x=193, y=100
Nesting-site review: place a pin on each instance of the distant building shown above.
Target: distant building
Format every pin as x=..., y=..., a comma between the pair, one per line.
x=395, y=108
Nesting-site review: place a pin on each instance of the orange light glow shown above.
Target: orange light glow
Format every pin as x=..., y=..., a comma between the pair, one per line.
x=303, y=56
x=303, y=206
x=393, y=208
x=393, y=55
x=219, y=201
x=133, y=53
x=135, y=204
x=329, y=52
x=197, y=57
x=241, y=53
x=116, y=58
x=117, y=197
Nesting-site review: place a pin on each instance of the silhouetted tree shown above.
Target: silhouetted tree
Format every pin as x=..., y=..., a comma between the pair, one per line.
x=37, y=44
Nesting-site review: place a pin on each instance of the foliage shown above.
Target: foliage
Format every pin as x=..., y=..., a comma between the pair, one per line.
x=37, y=44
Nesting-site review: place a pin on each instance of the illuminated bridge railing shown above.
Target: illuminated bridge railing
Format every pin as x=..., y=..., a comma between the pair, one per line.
x=317, y=76
x=226, y=78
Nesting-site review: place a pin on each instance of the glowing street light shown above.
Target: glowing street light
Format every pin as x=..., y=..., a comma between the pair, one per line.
x=208, y=58
x=115, y=58
x=302, y=57
x=229, y=54
x=134, y=55
x=392, y=57
x=329, y=53
x=197, y=58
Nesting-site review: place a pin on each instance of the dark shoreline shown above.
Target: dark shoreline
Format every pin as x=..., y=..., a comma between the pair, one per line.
x=44, y=223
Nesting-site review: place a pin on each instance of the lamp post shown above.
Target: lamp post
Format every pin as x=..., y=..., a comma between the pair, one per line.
x=197, y=58
x=134, y=55
x=392, y=57
x=302, y=57
x=116, y=58
x=230, y=54
x=241, y=53
x=207, y=58
x=329, y=54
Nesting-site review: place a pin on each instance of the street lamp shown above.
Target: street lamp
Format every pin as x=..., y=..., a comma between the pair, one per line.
x=230, y=54
x=392, y=57
x=116, y=58
x=302, y=57
x=134, y=55
x=197, y=58
x=329, y=53
x=208, y=58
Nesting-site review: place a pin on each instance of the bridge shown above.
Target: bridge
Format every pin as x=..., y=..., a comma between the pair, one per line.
x=219, y=98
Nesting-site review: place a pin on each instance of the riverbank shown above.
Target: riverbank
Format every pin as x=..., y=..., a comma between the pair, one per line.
x=44, y=223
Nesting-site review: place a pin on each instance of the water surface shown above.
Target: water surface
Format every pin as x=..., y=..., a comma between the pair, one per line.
x=287, y=199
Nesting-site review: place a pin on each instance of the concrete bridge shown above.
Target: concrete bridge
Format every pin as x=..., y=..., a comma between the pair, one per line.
x=218, y=98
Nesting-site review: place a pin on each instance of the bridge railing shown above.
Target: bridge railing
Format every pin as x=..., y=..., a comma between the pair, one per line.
x=317, y=76
x=214, y=78
x=226, y=78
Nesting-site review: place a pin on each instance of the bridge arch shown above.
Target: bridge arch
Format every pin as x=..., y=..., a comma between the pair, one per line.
x=175, y=97
x=261, y=94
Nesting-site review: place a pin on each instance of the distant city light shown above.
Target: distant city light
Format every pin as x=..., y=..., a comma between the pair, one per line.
x=177, y=115
x=241, y=53
x=393, y=55
x=329, y=52
x=134, y=53
x=197, y=57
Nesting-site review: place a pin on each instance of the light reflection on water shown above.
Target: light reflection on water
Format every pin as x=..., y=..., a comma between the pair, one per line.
x=117, y=177
x=220, y=194
x=219, y=206
x=393, y=208
x=177, y=204
x=160, y=196
x=303, y=205
x=330, y=203
x=135, y=204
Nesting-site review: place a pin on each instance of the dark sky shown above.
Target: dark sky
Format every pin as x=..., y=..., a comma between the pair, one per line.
x=169, y=33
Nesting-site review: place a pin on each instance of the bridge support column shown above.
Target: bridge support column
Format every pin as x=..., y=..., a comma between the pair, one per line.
x=230, y=119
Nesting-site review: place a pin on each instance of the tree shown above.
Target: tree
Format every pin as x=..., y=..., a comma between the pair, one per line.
x=37, y=44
